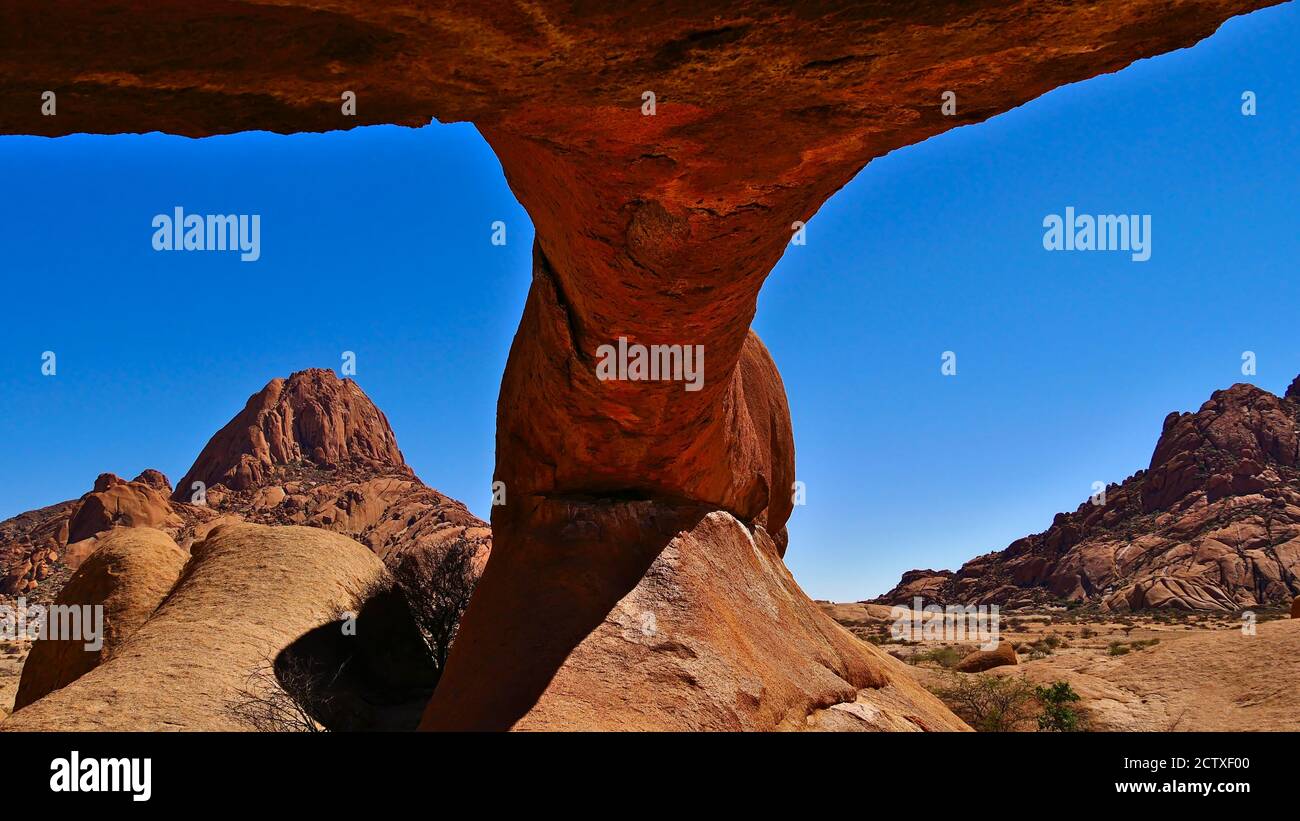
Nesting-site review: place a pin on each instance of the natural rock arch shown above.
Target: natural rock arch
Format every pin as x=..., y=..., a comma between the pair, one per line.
x=660, y=229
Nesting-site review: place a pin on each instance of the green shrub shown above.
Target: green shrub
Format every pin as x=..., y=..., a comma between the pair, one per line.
x=946, y=657
x=1059, y=711
x=989, y=703
x=1045, y=646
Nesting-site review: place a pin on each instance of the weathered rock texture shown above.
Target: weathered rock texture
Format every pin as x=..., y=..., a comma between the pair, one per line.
x=1212, y=524
x=248, y=592
x=313, y=418
x=128, y=575
x=660, y=229
x=40, y=549
x=315, y=450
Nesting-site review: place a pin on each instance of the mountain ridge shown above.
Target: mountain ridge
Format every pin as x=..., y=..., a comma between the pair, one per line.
x=1212, y=523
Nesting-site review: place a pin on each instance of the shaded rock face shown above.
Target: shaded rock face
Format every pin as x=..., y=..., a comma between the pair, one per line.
x=1212, y=524
x=128, y=575
x=658, y=229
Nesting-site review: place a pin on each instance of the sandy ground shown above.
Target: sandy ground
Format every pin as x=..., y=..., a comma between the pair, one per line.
x=12, y=655
x=1178, y=672
x=1184, y=673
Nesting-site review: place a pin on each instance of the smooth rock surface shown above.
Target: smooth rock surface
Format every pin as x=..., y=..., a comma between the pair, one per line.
x=128, y=575
x=980, y=660
x=716, y=635
x=247, y=593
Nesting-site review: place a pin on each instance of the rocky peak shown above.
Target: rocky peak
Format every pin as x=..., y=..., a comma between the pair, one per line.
x=1293, y=390
x=154, y=479
x=1243, y=423
x=312, y=419
x=106, y=480
x=309, y=450
x=1212, y=524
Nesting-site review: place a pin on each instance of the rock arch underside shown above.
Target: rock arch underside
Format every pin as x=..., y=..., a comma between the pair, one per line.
x=636, y=576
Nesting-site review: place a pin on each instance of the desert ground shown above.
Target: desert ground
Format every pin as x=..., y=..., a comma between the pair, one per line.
x=1161, y=672
x=12, y=655
x=1141, y=672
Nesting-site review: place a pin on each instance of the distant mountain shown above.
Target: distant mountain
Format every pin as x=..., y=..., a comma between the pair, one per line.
x=309, y=450
x=1212, y=524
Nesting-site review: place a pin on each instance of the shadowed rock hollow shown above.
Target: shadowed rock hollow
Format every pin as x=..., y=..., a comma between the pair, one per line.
x=658, y=229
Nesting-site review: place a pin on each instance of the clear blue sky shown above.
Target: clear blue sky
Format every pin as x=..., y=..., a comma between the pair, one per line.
x=377, y=241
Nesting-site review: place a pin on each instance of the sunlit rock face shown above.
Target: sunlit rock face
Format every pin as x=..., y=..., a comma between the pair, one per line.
x=310, y=449
x=1212, y=524
x=665, y=156
x=313, y=417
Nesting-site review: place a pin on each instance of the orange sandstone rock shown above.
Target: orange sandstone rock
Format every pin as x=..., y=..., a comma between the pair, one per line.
x=128, y=575
x=981, y=660
x=657, y=224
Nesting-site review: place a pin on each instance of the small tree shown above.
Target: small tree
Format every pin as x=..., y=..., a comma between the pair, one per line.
x=1059, y=714
x=990, y=703
x=437, y=587
x=283, y=697
x=946, y=657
